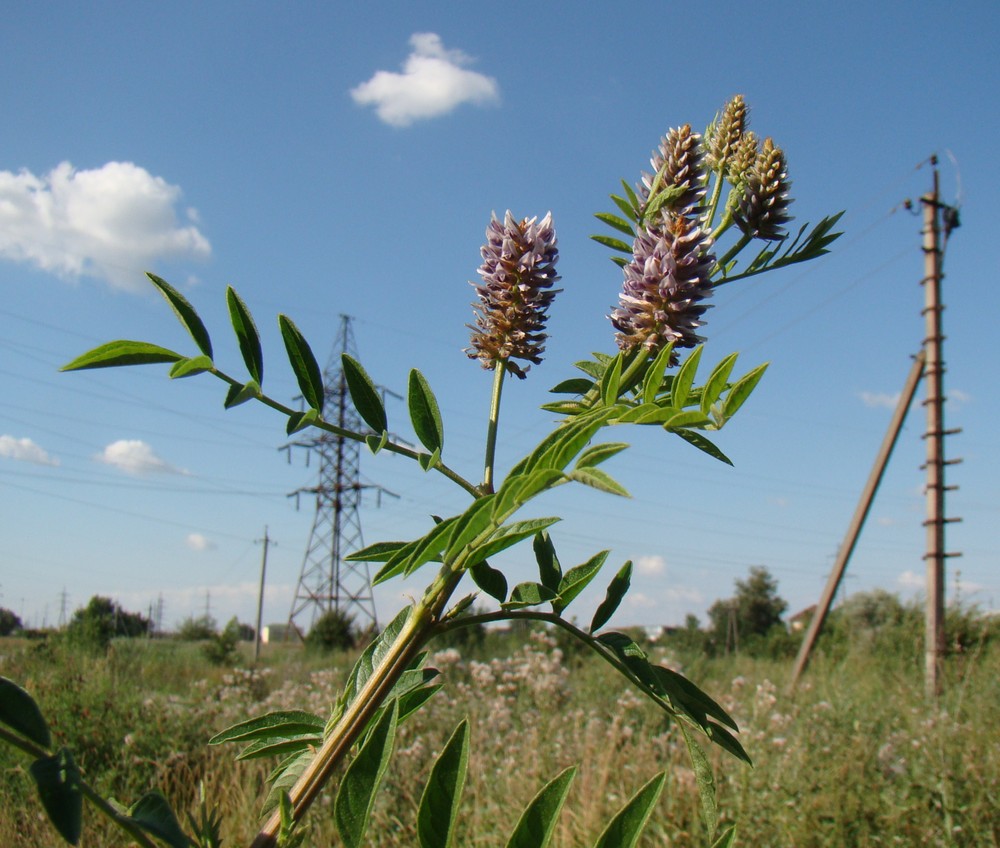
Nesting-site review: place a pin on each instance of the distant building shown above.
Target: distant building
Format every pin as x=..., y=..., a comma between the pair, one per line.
x=800, y=621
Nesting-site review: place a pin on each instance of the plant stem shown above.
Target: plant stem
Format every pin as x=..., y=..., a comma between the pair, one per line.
x=419, y=627
x=730, y=254
x=713, y=203
x=499, y=372
x=88, y=792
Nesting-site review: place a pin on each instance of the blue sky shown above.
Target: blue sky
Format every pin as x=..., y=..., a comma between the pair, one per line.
x=345, y=159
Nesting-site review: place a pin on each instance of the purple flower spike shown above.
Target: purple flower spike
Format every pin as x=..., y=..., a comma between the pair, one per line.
x=517, y=273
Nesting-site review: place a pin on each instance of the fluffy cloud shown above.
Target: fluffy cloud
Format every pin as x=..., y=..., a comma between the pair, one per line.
x=112, y=222
x=25, y=450
x=911, y=580
x=135, y=457
x=878, y=400
x=651, y=565
x=433, y=83
x=199, y=542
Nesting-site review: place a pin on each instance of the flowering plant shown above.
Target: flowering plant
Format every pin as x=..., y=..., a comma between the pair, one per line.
x=673, y=219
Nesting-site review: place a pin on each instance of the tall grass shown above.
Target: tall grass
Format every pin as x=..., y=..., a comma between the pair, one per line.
x=857, y=757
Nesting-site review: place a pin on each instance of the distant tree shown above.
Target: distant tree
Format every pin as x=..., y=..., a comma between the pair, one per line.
x=332, y=631
x=96, y=624
x=221, y=649
x=198, y=629
x=752, y=611
x=9, y=622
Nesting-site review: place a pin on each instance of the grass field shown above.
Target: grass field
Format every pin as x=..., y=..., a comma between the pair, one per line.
x=858, y=757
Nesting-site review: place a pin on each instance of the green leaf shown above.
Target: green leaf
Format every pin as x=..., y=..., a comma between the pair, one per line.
x=373, y=655
x=680, y=389
x=627, y=208
x=120, y=353
x=617, y=223
x=58, y=781
x=549, y=570
x=301, y=420
x=439, y=802
x=626, y=827
x=706, y=781
x=376, y=443
x=684, y=418
x=596, y=454
x=690, y=698
x=427, y=461
x=356, y=795
x=538, y=821
x=190, y=366
x=599, y=479
x=490, y=580
x=378, y=552
x=616, y=592
x=246, y=335
x=728, y=838
x=19, y=712
x=469, y=525
x=741, y=390
x=241, y=394
x=432, y=545
x=424, y=412
x=611, y=381
x=632, y=199
x=285, y=776
x=725, y=740
x=575, y=581
x=652, y=382
x=509, y=535
x=365, y=397
x=153, y=814
x=613, y=243
x=573, y=386
x=703, y=444
x=280, y=745
x=279, y=723
x=300, y=357
x=574, y=436
x=528, y=594
x=717, y=382
x=185, y=314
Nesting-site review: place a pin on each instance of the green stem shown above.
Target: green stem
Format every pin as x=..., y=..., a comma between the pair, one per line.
x=322, y=424
x=88, y=792
x=412, y=637
x=499, y=372
x=713, y=203
x=730, y=255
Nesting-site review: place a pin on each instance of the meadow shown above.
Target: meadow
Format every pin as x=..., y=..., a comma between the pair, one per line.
x=856, y=757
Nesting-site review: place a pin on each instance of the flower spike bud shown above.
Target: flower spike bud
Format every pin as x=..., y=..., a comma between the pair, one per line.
x=518, y=271
x=762, y=211
x=664, y=286
x=723, y=137
x=743, y=158
x=678, y=173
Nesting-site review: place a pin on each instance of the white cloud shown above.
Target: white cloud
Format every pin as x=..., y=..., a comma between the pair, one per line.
x=112, y=222
x=879, y=399
x=637, y=600
x=911, y=580
x=685, y=594
x=199, y=542
x=650, y=565
x=25, y=450
x=135, y=457
x=433, y=83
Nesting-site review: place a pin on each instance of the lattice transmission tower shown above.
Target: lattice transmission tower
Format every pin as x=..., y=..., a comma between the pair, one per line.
x=326, y=581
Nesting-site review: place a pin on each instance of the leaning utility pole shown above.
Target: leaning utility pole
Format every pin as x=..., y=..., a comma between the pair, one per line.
x=266, y=542
x=934, y=402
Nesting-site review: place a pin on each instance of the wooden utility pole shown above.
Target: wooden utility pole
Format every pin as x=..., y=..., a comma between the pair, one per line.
x=858, y=521
x=934, y=402
x=260, y=596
